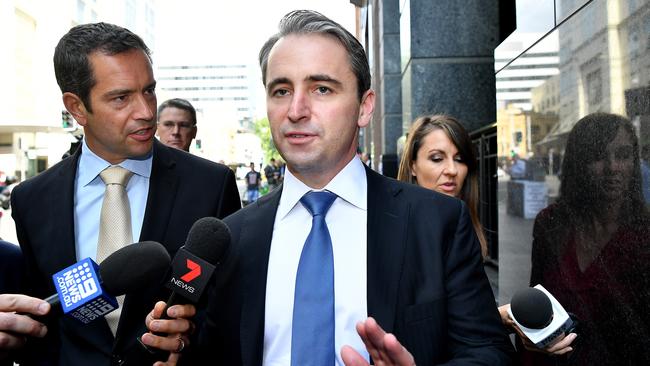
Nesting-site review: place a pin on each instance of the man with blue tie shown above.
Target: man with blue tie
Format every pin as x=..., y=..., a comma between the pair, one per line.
x=340, y=265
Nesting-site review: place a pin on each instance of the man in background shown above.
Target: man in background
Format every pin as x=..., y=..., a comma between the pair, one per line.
x=177, y=123
x=272, y=174
x=253, y=179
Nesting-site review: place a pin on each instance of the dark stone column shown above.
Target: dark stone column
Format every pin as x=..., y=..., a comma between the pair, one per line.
x=449, y=63
x=391, y=85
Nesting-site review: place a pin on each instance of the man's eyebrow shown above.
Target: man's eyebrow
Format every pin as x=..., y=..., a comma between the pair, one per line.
x=324, y=77
x=276, y=81
x=117, y=92
x=123, y=91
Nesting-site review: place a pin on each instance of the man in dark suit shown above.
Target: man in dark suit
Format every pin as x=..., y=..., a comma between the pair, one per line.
x=105, y=75
x=13, y=327
x=408, y=277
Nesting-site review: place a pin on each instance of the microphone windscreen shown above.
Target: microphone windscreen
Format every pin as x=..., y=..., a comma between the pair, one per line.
x=532, y=308
x=208, y=239
x=133, y=267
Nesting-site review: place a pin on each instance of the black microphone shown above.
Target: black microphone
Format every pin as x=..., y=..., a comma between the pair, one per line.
x=207, y=242
x=540, y=316
x=86, y=291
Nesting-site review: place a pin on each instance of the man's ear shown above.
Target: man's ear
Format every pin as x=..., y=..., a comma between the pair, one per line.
x=76, y=107
x=366, y=108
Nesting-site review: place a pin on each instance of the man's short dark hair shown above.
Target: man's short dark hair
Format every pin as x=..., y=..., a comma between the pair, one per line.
x=71, y=63
x=312, y=22
x=180, y=104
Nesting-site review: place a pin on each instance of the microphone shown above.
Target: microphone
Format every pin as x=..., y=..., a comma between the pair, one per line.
x=86, y=291
x=539, y=315
x=207, y=242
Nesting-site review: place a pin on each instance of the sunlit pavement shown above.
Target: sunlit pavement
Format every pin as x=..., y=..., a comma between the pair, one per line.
x=515, y=244
x=7, y=227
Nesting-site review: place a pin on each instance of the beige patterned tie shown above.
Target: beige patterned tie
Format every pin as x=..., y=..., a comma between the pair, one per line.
x=114, y=224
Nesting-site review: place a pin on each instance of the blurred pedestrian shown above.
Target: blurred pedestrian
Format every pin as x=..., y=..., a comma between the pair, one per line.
x=253, y=180
x=272, y=174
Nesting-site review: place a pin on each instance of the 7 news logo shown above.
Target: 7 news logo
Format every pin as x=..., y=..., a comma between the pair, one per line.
x=190, y=275
x=195, y=271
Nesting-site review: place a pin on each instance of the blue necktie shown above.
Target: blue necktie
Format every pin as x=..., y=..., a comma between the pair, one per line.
x=312, y=332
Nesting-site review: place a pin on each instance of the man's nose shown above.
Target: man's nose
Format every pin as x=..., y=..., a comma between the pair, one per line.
x=144, y=109
x=300, y=106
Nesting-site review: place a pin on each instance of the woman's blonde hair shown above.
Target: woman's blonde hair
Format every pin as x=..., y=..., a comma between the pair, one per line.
x=455, y=131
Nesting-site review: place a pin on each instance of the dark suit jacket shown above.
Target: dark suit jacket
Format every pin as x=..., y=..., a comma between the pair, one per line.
x=182, y=189
x=11, y=275
x=11, y=268
x=426, y=282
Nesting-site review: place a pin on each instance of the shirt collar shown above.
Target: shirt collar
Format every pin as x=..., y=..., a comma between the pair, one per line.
x=90, y=165
x=350, y=184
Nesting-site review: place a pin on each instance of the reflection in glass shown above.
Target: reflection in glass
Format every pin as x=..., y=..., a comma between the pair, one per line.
x=565, y=8
x=591, y=247
x=592, y=250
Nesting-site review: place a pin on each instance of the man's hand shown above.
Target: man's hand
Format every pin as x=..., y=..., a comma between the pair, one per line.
x=384, y=348
x=14, y=328
x=178, y=330
x=561, y=346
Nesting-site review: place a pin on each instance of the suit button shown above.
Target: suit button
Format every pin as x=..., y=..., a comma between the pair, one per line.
x=116, y=360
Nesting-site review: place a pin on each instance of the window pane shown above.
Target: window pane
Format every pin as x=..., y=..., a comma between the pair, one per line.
x=574, y=192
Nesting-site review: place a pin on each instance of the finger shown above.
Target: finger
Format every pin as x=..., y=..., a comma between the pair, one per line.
x=154, y=314
x=376, y=337
x=23, y=304
x=563, y=345
x=171, y=361
x=170, y=326
x=505, y=316
x=397, y=354
x=181, y=311
x=11, y=341
x=158, y=309
x=373, y=351
x=351, y=357
x=169, y=343
x=21, y=324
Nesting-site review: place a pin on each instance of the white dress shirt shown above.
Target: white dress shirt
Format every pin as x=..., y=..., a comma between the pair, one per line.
x=347, y=224
x=89, y=195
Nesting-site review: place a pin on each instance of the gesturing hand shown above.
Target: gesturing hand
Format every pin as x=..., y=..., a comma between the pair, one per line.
x=384, y=348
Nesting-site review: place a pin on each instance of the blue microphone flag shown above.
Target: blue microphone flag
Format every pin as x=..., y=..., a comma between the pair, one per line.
x=80, y=292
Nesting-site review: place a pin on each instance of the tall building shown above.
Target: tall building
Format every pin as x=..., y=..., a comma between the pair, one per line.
x=212, y=86
x=517, y=79
x=604, y=65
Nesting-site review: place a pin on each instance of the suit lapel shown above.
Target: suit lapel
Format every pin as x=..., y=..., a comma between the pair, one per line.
x=96, y=333
x=387, y=222
x=59, y=201
x=162, y=188
x=254, y=247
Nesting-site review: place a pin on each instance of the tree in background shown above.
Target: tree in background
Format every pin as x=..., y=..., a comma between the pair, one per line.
x=263, y=131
